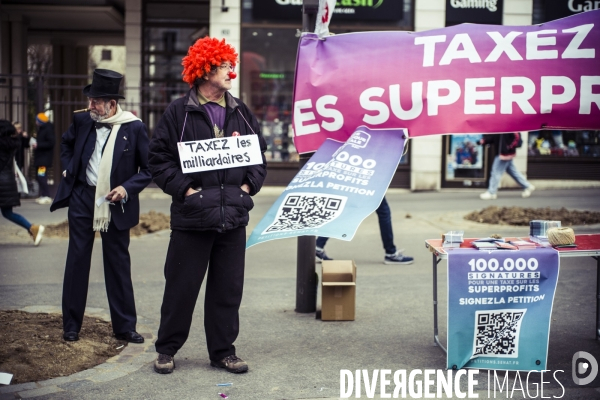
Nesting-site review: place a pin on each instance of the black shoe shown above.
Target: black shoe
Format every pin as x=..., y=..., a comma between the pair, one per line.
x=231, y=363
x=71, y=336
x=131, y=337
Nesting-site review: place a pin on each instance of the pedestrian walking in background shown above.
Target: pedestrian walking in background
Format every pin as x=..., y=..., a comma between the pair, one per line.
x=9, y=194
x=23, y=144
x=506, y=145
x=43, y=155
x=105, y=153
x=392, y=254
x=209, y=210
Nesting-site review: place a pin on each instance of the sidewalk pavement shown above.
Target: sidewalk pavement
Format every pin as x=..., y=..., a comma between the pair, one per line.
x=292, y=355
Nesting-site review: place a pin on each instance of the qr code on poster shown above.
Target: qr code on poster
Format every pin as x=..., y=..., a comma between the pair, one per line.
x=306, y=210
x=497, y=332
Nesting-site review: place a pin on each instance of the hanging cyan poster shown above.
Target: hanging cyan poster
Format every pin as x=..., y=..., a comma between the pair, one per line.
x=499, y=308
x=337, y=189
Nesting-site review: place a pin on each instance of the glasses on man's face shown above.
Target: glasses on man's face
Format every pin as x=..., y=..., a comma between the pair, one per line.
x=95, y=102
x=230, y=67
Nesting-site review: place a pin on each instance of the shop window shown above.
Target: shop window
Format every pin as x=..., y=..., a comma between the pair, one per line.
x=465, y=161
x=465, y=158
x=169, y=29
x=557, y=143
x=268, y=62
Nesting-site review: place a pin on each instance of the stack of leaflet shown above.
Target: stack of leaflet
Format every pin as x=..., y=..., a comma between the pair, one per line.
x=493, y=244
x=452, y=239
x=484, y=245
x=523, y=244
x=538, y=231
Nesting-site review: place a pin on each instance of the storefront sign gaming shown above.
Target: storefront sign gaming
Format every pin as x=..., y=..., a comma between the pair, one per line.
x=460, y=79
x=499, y=307
x=228, y=152
x=481, y=12
x=337, y=189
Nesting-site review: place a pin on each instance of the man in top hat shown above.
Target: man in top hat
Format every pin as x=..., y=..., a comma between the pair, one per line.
x=104, y=156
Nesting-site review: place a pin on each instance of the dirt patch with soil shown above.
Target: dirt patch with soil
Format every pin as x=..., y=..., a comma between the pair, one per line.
x=149, y=222
x=33, y=348
x=521, y=216
x=31, y=344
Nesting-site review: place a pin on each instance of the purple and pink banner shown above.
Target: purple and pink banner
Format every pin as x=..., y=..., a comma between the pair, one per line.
x=466, y=78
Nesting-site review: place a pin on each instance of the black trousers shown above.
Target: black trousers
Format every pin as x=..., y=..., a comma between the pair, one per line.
x=117, y=266
x=42, y=178
x=190, y=255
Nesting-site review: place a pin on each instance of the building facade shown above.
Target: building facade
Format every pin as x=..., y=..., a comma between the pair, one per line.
x=156, y=35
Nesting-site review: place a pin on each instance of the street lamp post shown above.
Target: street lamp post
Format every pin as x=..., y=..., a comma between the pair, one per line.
x=306, y=277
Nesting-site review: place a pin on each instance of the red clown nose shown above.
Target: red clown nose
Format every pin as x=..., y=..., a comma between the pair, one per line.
x=232, y=75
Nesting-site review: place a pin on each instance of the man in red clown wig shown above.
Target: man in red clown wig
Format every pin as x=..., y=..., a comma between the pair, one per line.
x=209, y=209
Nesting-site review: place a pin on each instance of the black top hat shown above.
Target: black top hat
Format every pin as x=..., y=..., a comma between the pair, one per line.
x=105, y=83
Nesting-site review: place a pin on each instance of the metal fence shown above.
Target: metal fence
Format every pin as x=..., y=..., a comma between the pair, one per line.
x=23, y=96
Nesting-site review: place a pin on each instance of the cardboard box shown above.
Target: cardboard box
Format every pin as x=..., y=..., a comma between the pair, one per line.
x=338, y=290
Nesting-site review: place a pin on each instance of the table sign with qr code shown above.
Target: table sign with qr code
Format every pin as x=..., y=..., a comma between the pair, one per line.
x=499, y=308
x=337, y=188
x=219, y=153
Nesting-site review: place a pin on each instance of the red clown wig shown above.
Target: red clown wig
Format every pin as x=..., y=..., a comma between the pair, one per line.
x=206, y=53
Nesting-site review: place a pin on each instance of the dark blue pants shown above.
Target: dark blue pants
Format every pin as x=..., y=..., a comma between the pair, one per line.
x=7, y=212
x=190, y=255
x=117, y=266
x=384, y=214
x=42, y=178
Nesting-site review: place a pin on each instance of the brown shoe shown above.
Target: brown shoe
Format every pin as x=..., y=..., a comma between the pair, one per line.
x=164, y=364
x=231, y=363
x=36, y=232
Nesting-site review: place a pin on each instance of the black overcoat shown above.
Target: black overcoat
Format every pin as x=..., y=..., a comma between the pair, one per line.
x=43, y=154
x=9, y=196
x=129, y=166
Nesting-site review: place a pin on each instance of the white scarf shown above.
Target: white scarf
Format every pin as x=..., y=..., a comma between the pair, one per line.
x=102, y=211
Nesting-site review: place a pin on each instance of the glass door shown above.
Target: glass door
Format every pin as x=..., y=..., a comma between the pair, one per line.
x=465, y=162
